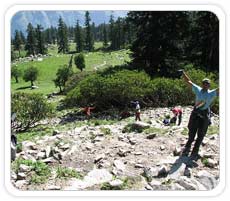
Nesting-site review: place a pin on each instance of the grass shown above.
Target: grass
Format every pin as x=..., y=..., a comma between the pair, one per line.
x=105, y=131
x=34, y=133
x=48, y=67
x=39, y=173
x=128, y=183
x=155, y=130
x=65, y=173
x=212, y=130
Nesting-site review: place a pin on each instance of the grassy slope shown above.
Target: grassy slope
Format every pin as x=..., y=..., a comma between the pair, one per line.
x=48, y=67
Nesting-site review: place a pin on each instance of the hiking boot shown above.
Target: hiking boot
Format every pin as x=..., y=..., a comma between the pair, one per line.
x=195, y=157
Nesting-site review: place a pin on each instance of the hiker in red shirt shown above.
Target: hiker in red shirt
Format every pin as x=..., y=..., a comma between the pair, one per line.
x=87, y=110
x=177, y=113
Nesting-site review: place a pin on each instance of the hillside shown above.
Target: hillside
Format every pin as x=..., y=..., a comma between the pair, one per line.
x=99, y=154
x=48, y=65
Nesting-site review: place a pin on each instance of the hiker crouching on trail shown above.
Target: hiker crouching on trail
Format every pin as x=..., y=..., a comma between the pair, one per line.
x=177, y=111
x=87, y=111
x=199, y=118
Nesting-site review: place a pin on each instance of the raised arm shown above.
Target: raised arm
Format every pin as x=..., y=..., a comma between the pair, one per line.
x=187, y=79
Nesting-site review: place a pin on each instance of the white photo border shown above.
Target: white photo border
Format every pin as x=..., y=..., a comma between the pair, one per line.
x=222, y=73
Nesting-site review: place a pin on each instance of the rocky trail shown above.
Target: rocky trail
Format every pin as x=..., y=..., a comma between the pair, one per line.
x=125, y=155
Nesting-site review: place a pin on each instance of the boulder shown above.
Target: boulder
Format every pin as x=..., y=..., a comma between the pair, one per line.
x=207, y=179
x=119, y=165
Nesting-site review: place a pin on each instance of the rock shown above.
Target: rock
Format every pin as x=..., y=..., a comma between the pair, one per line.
x=65, y=146
x=149, y=173
x=132, y=141
x=48, y=151
x=162, y=147
x=213, y=137
x=148, y=187
x=48, y=160
x=13, y=175
x=21, y=176
x=73, y=150
x=151, y=136
x=123, y=152
x=207, y=179
x=98, y=139
x=176, y=187
x=24, y=168
x=162, y=171
x=99, y=157
x=138, y=153
x=53, y=187
x=119, y=165
x=28, y=145
x=205, y=141
x=211, y=163
x=116, y=183
x=155, y=183
x=177, y=151
x=89, y=146
x=98, y=176
x=20, y=183
x=121, y=138
x=41, y=155
x=186, y=183
x=138, y=165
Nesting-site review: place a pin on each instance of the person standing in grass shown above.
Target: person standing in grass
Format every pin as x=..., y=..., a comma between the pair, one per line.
x=199, y=118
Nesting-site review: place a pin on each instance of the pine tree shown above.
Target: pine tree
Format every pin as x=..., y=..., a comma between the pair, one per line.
x=112, y=33
x=18, y=42
x=89, y=37
x=41, y=46
x=78, y=37
x=105, y=37
x=63, y=45
x=31, y=40
x=22, y=37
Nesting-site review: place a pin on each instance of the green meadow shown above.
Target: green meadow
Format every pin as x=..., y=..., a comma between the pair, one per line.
x=47, y=68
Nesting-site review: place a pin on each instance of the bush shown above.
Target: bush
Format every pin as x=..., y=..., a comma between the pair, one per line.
x=74, y=79
x=62, y=75
x=16, y=73
x=31, y=74
x=29, y=108
x=39, y=173
x=79, y=61
x=118, y=88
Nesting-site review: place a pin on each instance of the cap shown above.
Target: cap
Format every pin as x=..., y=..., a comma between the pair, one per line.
x=206, y=80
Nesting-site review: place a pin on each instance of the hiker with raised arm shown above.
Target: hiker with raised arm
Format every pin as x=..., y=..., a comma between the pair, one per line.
x=199, y=118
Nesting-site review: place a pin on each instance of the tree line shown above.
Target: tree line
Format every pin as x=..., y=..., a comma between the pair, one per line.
x=160, y=41
x=114, y=35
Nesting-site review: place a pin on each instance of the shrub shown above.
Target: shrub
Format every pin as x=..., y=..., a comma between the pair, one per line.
x=29, y=108
x=16, y=73
x=62, y=75
x=31, y=74
x=66, y=173
x=79, y=61
x=74, y=79
x=118, y=88
x=40, y=172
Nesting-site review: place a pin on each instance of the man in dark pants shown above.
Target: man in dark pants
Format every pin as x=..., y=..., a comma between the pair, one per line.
x=199, y=118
